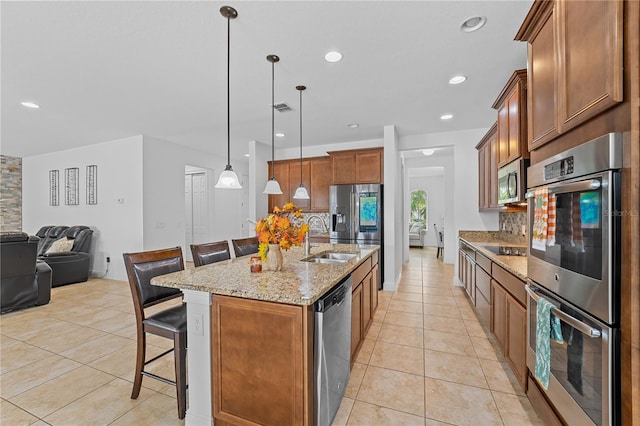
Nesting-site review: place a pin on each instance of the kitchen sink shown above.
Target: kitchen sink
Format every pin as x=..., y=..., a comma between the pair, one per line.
x=330, y=257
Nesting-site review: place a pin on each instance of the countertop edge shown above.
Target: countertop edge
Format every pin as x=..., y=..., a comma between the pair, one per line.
x=476, y=245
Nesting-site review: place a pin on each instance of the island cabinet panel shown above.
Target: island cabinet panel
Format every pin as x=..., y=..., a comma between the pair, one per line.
x=262, y=362
x=588, y=83
x=366, y=303
x=321, y=176
x=356, y=321
x=498, y=313
x=515, y=350
x=374, y=286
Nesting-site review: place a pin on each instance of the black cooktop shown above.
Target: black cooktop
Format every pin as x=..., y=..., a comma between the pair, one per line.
x=506, y=250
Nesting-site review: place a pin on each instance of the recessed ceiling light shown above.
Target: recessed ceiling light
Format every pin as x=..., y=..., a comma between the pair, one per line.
x=457, y=79
x=30, y=105
x=280, y=135
x=353, y=125
x=473, y=24
x=446, y=117
x=333, y=56
x=428, y=151
x=247, y=155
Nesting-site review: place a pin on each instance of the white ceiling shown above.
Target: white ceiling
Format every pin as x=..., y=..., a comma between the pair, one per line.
x=107, y=70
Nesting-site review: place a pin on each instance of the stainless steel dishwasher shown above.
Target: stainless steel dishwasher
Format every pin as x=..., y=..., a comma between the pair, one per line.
x=332, y=353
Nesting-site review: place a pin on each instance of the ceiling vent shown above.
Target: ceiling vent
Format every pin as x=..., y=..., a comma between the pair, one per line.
x=282, y=107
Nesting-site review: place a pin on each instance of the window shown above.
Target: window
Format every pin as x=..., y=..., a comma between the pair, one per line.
x=419, y=207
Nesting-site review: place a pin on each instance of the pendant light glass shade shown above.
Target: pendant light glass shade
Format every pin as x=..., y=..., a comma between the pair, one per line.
x=272, y=186
x=228, y=178
x=301, y=192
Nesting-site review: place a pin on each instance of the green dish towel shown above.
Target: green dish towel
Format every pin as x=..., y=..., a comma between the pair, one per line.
x=547, y=327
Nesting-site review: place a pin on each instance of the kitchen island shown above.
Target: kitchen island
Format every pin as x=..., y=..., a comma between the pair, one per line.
x=251, y=335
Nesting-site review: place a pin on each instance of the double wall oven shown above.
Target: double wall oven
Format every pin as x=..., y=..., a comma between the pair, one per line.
x=574, y=263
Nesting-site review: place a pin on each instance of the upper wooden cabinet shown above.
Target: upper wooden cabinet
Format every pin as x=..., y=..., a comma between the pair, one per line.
x=575, y=64
x=357, y=166
x=294, y=182
x=281, y=172
x=320, y=180
x=512, y=119
x=488, y=170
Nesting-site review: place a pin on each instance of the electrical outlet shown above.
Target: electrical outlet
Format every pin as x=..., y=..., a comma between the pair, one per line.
x=108, y=259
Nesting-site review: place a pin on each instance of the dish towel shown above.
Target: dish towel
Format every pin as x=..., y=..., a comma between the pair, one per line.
x=540, y=218
x=547, y=327
x=576, y=223
x=551, y=220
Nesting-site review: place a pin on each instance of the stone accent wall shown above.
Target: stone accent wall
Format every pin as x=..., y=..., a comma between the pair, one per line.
x=10, y=193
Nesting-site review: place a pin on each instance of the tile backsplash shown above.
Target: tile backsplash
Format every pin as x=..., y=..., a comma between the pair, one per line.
x=513, y=226
x=315, y=227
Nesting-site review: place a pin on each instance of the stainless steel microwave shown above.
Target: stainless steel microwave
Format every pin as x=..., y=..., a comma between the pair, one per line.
x=512, y=182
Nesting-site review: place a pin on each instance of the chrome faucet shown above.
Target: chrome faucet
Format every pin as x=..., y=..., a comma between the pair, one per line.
x=315, y=216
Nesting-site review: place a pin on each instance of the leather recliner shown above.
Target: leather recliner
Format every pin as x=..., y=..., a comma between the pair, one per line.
x=24, y=281
x=72, y=266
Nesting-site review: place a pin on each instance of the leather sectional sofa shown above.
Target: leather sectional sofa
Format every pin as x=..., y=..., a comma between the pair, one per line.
x=24, y=281
x=67, y=267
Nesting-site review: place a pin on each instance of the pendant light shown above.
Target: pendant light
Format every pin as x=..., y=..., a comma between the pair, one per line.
x=301, y=192
x=228, y=178
x=272, y=186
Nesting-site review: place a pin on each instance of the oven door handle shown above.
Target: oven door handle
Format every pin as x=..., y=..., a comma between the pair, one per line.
x=561, y=188
x=573, y=322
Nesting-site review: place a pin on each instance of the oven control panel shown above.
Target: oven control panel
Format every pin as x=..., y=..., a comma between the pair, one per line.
x=560, y=168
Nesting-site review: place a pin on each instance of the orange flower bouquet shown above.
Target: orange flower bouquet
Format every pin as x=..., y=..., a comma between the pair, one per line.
x=284, y=227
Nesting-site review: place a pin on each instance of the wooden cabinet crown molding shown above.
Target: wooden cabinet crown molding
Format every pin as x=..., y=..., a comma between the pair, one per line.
x=535, y=20
x=492, y=130
x=518, y=77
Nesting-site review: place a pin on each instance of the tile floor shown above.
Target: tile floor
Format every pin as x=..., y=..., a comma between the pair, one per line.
x=426, y=361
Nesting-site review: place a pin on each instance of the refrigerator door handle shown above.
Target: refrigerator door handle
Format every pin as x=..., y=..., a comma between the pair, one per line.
x=356, y=219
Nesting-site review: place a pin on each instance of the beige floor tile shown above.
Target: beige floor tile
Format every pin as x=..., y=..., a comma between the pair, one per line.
x=408, y=336
x=96, y=348
x=500, y=377
x=404, y=306
x=448, y=342
x=454, y=368
x=120, y=361
x=380, y=314
x=31, y=375
x=431, y=422
x=364, y=354
x=24, y=327
x=408, y=297
x=460, y=404
x=355, y=379
x=398, y=357
x=485, y=349
x=439, y=300
x=363, y=414
x=516, y=409
x=442, y=311
x=475, y=329
x=437, y=291
x=48, y=397
x=393, y=389
x=11, y=415
x=374, y=330
x=444, y=324
x=404, y=319
x=100, y=407
x=410, y=288
x=159, y=409
x=343, y=412
x=66, y=337
x=15, y=354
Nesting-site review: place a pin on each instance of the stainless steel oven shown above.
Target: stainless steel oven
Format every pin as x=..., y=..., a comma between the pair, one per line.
x=584, y=368
x=574, y=263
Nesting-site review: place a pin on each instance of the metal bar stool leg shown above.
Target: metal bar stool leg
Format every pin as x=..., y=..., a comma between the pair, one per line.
x=180, y=354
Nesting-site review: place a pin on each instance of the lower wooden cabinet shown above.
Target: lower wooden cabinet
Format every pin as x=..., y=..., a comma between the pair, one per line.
x=356, y=321
x=516, y=350
x=499, y=313
x=364, y=302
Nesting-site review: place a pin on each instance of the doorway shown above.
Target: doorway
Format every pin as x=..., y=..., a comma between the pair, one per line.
x=196, y=205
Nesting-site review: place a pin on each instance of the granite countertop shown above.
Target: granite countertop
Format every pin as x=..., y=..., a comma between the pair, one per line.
x=517, y=265
x=300, y=283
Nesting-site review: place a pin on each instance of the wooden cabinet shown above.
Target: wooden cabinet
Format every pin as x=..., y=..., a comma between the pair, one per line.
x=499, y=313
x=294, y=182
x=488, y=170
x=281, y=172
x=515, y=349
x=321, y=178
x=357, y=166
x=568, y=84
x=356, y=321
x=272, y=341
x=466, y=271
x=512, y=119
x=364, y=302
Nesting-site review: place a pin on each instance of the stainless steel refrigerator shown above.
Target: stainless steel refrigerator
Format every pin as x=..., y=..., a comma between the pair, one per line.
x=356, y=217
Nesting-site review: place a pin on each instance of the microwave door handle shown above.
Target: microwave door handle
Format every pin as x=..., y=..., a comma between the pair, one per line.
x=584, y=185
x=573, y=322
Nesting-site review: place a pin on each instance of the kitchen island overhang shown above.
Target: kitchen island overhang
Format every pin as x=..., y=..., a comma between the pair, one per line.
x=250, y=335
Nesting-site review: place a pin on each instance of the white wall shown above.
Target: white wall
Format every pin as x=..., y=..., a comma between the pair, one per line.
x=393, y=210
x=434, y=187
x=117, y=225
